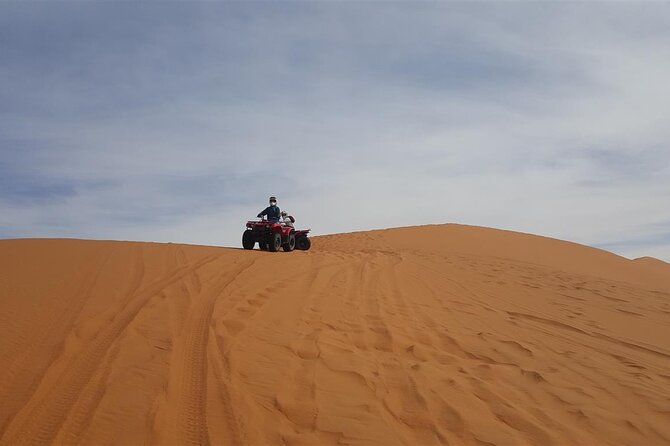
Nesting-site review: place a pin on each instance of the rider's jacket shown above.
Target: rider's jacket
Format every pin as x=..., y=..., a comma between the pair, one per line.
x=272, y=212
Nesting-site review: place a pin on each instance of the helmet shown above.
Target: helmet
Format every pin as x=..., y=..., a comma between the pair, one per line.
x=273, y=199
x=283, y=213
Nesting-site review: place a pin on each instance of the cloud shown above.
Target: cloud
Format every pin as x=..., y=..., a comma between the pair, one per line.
x=175, y=121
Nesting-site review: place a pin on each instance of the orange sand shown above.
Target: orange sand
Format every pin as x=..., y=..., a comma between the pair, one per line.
x=437, y=334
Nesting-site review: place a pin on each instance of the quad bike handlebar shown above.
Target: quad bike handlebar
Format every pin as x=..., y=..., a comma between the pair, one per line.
x=262, y=219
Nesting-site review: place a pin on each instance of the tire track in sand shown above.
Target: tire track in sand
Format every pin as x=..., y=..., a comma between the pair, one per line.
x=42, y=422
x=20, y=378
x=297, y=398
x=86, y=405
x=192, y=410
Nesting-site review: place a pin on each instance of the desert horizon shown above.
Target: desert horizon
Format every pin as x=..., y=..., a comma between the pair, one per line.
x=650, y=259
x=439, y=334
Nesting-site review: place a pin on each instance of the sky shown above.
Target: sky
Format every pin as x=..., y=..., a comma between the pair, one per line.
x=175, y=121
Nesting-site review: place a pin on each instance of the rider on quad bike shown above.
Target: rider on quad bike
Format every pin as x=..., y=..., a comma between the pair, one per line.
x=287, y=220
x=276, y=232
x=273, y=212
x=301, y=240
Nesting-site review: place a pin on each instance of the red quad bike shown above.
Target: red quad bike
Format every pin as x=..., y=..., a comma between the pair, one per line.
x=273, y=235
x=302, y=242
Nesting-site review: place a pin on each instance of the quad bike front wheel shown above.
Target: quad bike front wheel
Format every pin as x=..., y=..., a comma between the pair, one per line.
x=275, y=242
x=248, y=241
x=290, y=244
x=303, y=243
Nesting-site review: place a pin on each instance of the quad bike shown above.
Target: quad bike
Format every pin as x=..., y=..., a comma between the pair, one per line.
x=274, y=235
x=302, y=242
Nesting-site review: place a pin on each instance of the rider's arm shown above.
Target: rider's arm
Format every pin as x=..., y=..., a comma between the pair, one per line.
x=263, y=212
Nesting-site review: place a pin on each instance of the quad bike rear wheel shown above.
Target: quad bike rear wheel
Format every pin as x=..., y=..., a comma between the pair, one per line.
x=275, y=242
x=263, y=245
x=290, y=244
x=248, y=241
x=303, y=243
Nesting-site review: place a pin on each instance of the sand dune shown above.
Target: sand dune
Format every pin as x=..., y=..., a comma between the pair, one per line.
x=430, y=335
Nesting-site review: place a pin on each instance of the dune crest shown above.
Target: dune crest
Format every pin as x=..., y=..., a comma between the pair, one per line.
x=654, y=264
x=442, y=334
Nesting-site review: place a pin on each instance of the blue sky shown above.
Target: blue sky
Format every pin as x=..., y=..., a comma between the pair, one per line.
x=174, y=121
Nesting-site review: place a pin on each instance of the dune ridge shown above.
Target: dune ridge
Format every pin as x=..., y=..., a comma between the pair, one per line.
x=441, y=334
